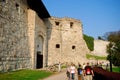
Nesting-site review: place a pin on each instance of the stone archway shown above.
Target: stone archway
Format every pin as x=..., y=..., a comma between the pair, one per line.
x=39, y=54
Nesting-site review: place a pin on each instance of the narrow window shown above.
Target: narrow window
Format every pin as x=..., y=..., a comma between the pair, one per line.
x=57, y=45
x=71, y=24
x=73, y=47
x=38, y=46
x=57, y=23
x=17, y=7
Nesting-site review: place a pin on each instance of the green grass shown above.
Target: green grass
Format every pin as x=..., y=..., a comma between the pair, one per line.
x=25, y=75
x=116, y=69
x=95, y=57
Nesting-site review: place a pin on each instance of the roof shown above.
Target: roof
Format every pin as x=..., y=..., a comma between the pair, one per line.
x=39, y=7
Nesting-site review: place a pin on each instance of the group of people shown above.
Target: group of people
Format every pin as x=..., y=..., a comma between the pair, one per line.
x=84, y=72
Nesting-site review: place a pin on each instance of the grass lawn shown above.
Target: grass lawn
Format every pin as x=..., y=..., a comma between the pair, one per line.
x=116, y=69
x=89, y=56
x=25, y=75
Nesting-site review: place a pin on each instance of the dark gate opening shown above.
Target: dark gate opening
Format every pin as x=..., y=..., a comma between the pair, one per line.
x=39, y=61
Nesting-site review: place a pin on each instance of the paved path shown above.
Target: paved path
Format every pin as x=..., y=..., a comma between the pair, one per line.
x=59, y=76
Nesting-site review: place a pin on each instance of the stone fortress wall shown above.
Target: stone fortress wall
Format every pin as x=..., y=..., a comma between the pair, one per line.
x=100, y=48
x=65, y=41
x=22, y=36
x=27, y=41
x=14, y=50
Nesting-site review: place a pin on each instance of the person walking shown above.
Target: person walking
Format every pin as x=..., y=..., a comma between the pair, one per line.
x=68, y=71
x=72, y=71
x=80, y=72
x=88, y=72
x=83, y=66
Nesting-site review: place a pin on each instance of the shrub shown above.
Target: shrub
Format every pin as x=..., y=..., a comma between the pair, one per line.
x=89, y=41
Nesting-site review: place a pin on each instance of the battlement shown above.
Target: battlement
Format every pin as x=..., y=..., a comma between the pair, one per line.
x=65, y=19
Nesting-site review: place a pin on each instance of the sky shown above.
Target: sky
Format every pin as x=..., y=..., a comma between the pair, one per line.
x=97, y=16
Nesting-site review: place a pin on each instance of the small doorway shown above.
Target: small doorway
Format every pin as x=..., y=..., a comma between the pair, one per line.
x=39, y=55
x=39, y=60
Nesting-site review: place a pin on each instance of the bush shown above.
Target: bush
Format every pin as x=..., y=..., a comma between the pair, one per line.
x=89, y=41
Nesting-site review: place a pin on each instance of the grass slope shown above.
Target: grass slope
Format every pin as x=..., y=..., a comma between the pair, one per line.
x=95, y=57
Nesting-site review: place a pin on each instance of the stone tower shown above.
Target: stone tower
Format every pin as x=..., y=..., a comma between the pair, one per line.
x=65, y=41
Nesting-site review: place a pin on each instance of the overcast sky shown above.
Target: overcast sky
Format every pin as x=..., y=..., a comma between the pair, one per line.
x=97, y=16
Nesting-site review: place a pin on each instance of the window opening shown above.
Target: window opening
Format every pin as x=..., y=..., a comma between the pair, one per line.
x=57, y=45
x=57, y=23
x=37, y=45
x=71, y=24
x=73, y=47
x=17, y=7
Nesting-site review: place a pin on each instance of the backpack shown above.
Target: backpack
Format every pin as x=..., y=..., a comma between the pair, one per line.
x=79, y=71
x=88, y=71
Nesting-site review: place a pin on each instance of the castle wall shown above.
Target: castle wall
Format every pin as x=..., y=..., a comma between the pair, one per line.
x=65, y=41
x=31, y=36
x=22, y=35
x=27, y=41
x=14, y=50
x=100, y=48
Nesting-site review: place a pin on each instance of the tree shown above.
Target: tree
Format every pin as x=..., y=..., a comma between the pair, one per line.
x=100, y=38
x=114, y=48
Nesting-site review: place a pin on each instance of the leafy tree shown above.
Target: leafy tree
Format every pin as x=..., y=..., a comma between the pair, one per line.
x=114, y=36
x=99, y=37
x=114, y=47
x=89, y=41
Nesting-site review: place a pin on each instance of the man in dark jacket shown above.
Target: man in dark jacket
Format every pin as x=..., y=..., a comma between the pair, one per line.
x=88, y=72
